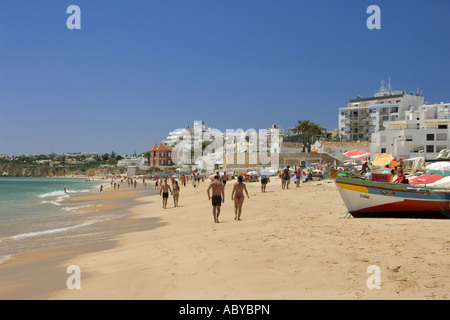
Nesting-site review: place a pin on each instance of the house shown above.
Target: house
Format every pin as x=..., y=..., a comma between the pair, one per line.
x=162, y=156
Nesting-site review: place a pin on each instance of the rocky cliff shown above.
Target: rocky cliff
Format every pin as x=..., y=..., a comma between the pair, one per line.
x=17, y=170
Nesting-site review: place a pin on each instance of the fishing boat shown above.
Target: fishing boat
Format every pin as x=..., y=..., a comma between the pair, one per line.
x=365, y=198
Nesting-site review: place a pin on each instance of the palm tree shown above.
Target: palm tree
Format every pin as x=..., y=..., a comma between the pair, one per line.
x=315, y=131
x=302, y=128
x=309, y=130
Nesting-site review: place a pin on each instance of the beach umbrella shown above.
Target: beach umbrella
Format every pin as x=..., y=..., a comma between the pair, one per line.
x=425, y=179
x=439, y=166
x=357, y=154
x=382, y=159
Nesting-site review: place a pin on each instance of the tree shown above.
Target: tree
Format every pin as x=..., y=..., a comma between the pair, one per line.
x=309, y=131
x=302, y=128
x=315, y=131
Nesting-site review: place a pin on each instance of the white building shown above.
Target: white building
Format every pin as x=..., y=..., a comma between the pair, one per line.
x=130, y=162
x=425, y=128
x=365, y=116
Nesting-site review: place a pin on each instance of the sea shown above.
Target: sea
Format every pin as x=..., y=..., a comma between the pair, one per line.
x=36, y=213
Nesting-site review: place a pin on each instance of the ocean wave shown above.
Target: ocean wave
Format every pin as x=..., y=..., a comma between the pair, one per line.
x=57, y=193
x=3, y=259
x=52, y=231
x=76, y=208
x=56, y=203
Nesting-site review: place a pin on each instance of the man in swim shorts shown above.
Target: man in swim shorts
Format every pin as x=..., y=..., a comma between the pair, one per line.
x=218, y=196
x=165, y=189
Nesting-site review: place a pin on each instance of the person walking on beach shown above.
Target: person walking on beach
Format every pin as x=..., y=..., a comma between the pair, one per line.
x=264, y=174
x=165, y=189
x=218, y=196
x=238, y=196
x=224, y=179
x=286, y=178
x=176, y=193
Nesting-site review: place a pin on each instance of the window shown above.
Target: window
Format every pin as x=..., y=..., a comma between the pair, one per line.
x=168, y=154
x=169, y=162
x=383, y=150
x=409, y=138
x=441, y=137
x=430, y=137
x=162, y=162
x=162, y=154
x=442, y=126
x=430, y=149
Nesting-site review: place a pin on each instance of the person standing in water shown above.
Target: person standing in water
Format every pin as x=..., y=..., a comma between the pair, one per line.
x=218, y=196
x=238, y=196
x=165, y=189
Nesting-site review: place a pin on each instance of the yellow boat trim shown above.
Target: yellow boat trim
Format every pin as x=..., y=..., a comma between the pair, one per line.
x=353, y=187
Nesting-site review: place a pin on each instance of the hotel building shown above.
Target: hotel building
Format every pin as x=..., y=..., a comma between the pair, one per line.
x=422, y=131
x=364, y=116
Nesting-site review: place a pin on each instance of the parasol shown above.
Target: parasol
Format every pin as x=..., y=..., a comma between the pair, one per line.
x=425, y=179
x=382, y=159
x=357, y=154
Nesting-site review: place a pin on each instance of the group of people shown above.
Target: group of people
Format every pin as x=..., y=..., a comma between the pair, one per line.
x=174, y=191
x=297, y=176
x=399, y=173
x=217, y=187
x=215, y=191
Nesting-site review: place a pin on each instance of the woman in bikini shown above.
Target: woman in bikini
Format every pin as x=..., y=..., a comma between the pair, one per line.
x=238, y=196
x=176, y=193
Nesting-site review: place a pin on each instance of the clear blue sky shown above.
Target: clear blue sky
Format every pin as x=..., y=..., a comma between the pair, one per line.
x=140, y=68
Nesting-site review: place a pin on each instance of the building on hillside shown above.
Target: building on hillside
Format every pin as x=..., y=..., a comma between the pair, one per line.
x=132, y=161
x=162, y=156
x=423, y=130
x=364, y=116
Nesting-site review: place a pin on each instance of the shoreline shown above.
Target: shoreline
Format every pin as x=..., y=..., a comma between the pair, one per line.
x=16, y=269
x=290, y=244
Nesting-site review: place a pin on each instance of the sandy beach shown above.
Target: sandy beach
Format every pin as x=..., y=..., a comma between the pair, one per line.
x=290, y=244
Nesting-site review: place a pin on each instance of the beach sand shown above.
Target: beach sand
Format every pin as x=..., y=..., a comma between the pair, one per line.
x=290, y=244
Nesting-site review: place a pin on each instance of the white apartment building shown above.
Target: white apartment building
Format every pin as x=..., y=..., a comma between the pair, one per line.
x=423, y=130
x=364, y=116
x=185, y=134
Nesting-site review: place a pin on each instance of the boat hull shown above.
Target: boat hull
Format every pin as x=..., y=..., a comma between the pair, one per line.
x=378, y=199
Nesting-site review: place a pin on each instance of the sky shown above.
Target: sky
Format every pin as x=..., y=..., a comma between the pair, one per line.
x=138, y=69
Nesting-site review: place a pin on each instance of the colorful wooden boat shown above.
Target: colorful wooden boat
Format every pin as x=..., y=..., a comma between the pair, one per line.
x=382, y=199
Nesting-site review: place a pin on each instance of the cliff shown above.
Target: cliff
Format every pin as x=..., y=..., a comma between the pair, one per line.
x=18, y=170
